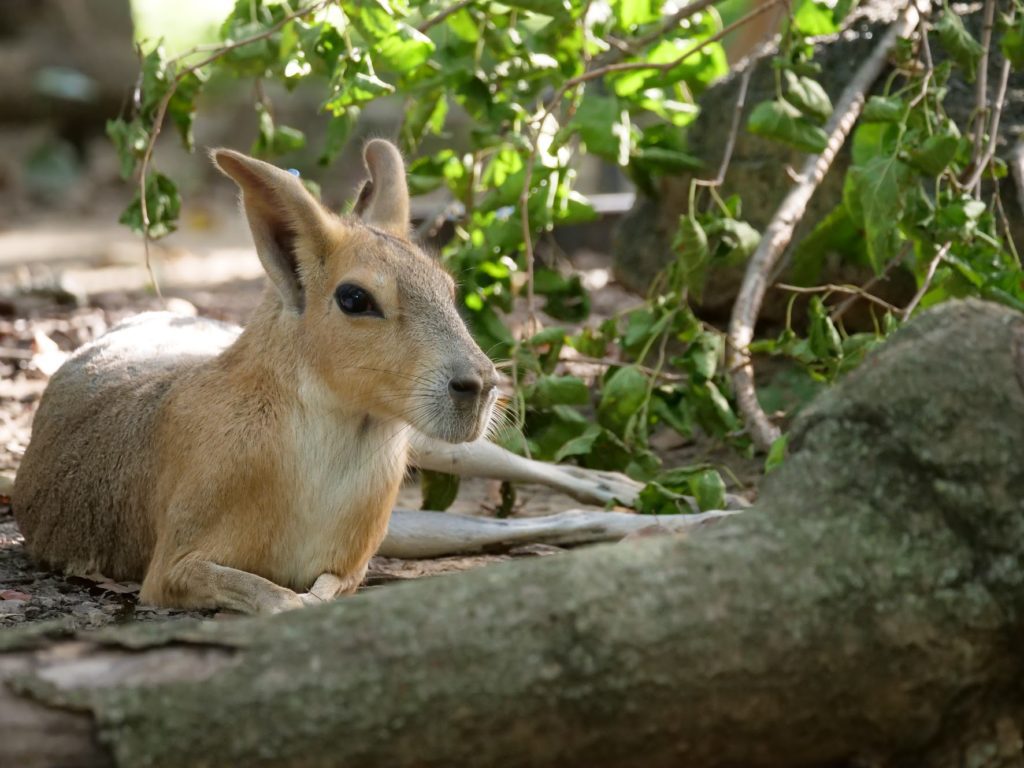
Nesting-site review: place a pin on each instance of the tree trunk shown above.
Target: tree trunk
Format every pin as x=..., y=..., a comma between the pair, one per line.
x=867, y=612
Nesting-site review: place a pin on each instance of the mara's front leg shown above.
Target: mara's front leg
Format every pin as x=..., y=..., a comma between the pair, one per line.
x=195, y=581
x=483, y=458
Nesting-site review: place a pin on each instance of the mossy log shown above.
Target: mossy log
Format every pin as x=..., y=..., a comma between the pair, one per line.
x=868, y=611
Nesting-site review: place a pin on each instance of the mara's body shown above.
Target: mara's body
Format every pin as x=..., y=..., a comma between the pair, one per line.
x=236, y=469
x=299, y=490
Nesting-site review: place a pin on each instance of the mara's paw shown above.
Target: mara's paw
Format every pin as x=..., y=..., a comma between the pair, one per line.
x=328, y=586
x=282, y=601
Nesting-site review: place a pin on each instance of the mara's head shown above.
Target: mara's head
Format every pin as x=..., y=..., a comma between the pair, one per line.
x=374, y=320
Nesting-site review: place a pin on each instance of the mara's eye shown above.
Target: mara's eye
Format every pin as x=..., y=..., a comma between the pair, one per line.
x=353, y=300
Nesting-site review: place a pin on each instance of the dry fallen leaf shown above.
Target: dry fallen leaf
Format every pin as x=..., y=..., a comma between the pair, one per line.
x=109, y=585
x=47, y=357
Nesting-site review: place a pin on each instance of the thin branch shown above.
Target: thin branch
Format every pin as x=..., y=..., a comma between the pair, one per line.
x=926, y=284
x=1017, y=169
x=524, y=216
x=605, y=362
x=734, y=129
x=687, y=11
x=780, y=231
x=437, y=18
x=974, y=183
x=665, y=66
x=981, y=87
x=845, y=305
x=851, y=290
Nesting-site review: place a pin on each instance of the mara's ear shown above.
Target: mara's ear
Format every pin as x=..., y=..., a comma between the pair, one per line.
x=284, y=219
x=384, y=199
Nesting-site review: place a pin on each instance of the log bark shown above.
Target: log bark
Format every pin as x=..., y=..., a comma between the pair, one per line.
x=868, y=611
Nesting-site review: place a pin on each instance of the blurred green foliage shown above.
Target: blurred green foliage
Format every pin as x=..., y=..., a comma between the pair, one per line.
x=541, y=81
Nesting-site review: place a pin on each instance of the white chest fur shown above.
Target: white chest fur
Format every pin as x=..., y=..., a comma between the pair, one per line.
x=347, y=466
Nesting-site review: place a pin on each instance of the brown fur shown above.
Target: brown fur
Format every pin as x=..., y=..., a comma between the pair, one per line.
x=233, y=470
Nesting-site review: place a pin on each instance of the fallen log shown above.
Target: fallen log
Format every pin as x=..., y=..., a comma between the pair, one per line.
x=415, y=534
x=868, y=611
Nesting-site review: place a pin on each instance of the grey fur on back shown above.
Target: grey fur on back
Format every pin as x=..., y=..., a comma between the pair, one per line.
x=88, y=470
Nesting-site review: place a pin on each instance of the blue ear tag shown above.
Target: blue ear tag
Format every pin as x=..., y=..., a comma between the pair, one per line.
x=294, y=171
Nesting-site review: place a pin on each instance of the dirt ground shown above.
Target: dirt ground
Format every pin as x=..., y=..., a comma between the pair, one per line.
x=64, y=281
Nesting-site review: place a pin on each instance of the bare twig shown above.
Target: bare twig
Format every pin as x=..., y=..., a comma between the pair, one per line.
x=665, y=66
x=779, y=232
x=851, y=290
x=524, y=216
x=687, y=11
x=1017, y=169
x=845, y=305
x=982, y=163
x=605, y=362
x=981, y=87
x=734, y=129
x=927, y=282
x=437, y=18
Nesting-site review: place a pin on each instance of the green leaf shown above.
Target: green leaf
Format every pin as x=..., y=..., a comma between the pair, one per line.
x=547, y=7
x=656, y=499
x=936, y=152
x=776, y=454
x=703, y=356
x=275, y=139
x=405, y=50
x=566, y=298
x=156, y=81
x=664, y=160
x=130, y=140
x=622, y=395
x=883, y=109
x=425, y=115
x=338, y=129
x=713, y=411
x=163, y=204
x=808, y=96
x=633, y=13
x=836, y=233
x=823, y=335
x=439, y=489
x=814, y=19
x=738, y=237
x=355, y=83
x=374, y=19
x=548, y=391
x=603, y=124
x=708, y=488
x=464, y=25
x=580, y=445
x=783, y=122
x=691, y=247
x=1012, y=44
x=182, y=107
x=958, y=42
x=697, y=70
x=880, y=186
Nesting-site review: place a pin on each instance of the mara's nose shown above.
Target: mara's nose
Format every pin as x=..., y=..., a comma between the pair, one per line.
x=465, y=389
